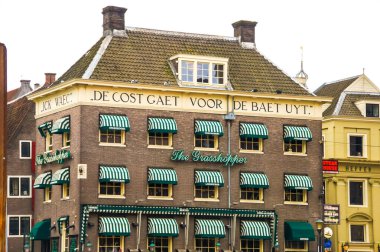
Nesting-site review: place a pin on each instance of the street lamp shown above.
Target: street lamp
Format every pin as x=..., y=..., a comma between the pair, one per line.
x=26, y=246
x=89, y=246
x=319, y=223
x=151, y=246
x=217, y=246
x=345, y=246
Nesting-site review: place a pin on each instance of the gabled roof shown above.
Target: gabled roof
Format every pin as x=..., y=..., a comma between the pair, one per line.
x=11, y=95
x=143, y=55
x=17, y=110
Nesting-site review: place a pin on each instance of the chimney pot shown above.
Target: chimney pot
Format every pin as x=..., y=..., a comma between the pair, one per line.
x=113, y=19
x=36, y=85
x=49, y=78
x=245, y=31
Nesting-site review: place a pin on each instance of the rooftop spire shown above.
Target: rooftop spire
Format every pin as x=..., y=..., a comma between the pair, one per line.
x=301, y=77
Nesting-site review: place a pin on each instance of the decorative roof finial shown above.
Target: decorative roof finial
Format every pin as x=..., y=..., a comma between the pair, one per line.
x=301, y=76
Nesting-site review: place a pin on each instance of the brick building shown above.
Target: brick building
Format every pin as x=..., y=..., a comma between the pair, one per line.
x=173, y=141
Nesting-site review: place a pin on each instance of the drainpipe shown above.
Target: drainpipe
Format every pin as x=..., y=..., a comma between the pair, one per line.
x=139, y=230
x=187, y=217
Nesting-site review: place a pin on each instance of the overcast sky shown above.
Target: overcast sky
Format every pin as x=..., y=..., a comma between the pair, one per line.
x=339, y=38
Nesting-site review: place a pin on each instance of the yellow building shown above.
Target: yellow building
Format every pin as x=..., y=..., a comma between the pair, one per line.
x=351, y=133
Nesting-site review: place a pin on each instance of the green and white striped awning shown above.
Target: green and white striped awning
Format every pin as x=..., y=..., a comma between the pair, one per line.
x=298, y=182
x=253, y=180
x=114, y=122
x=253, y=130
x=61, y=126
x=208, y=128
x=255, y=230
x=209, y=228
x=209, y=178
x=42, y=181
x=114, y=174
x=162, y=125
x=46, y=126
x=162, y=176
x=114, y=226
x=162, y=227
x=61, y=176
x=297, y=133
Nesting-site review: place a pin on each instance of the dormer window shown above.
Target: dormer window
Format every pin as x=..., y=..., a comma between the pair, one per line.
x=372, y=110
x=201, y=70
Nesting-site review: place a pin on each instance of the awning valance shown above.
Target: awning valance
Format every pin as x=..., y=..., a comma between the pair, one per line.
x=253, y=130
x=41, y=230
x=208, y=128
x=62, y=176
x=209, y=178
x=45, y=127
x=209, y=228
x=253, y=180
x=255, y=230
x=114, y=226
x=297, y=133
x=114, y=122
x=114, y=174
x=161, y=227
x=61, y=126
x=162, y=125
x=162, y=176
x=298, y=182
x=298, y=231
x=42, y=181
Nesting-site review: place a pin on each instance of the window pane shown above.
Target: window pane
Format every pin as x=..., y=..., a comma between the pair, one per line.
x=25, y=186
x=356, y=193
x=357, y=233
x=14, y=187
x=356, y=146
x=372, y=110
x=25, y=149
x=14, y=226
x=25, y=225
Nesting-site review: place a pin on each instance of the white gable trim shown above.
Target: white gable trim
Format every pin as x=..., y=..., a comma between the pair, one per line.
x=363, y=84
x=339, y=103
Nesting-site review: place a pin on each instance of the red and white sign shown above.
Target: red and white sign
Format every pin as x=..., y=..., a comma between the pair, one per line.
x=330, y=166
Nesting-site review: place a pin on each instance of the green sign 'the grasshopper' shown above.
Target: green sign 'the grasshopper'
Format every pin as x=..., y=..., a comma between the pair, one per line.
x=197, y=156
x=58, y=156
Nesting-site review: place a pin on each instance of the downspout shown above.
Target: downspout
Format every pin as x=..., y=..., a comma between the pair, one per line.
x=139, y=229
x=233, y=231
x=187, y=217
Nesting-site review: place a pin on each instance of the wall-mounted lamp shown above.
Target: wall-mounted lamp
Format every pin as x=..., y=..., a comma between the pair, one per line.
x=71, y=226
x=89, y=224
x=182, y=225
x=227, y=226
x=345, y=246
x=53, y=227
x=135, y=224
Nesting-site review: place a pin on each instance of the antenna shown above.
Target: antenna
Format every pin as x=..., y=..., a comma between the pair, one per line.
x=301, y=58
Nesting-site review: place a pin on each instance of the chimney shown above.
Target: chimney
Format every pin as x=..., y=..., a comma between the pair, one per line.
x=36, y=85
x=113, y=19
x=245, y=32
x=25, y=88
x=49, y=78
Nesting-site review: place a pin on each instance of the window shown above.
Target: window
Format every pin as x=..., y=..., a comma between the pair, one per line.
x=48, y=142
x=372, y=110
x=295, y=246
x=203, y=72
x=111, y=188
x=19, y=225
x=112, y=136
x=251, y=194
x=295, y=195
x=159, y=190
x=66, y=139
x=206, y=141
x=357, y=193
x=357, y=233
x=159, y=139
x=187, y=69
x=19, y=186
x=110, y=243
x=161, y=244
x=295, y=146
x=217, y=73
x=251, y=144
x=205, y=244
x=47, y=194
x=64, y=238
x=250, y=245
x=65, y=191
x=25, y=149
x=206, y=192
x=356, y=145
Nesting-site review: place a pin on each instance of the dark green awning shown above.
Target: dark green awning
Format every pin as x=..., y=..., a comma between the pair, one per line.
x=45, y=127
x=208, y=128
x=114, y=122
x=162, y=176
x=61, y=126
x=255, y=230
x=62, y=176
x=253, y=130
x=253, y=180
x=114, y=174
x=60, y=220
x=297, y=133
x=41, y=230
x=209, y=228
x=209, y=178
x=298, y=231
x=162, y=227
x=298, y=182
x=114, y=226
x=162, y=125
x=42, y=181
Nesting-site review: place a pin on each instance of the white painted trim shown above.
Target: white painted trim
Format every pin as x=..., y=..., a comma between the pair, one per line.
x=365, y=153
x=366, y=233
x=19, y=219
x=19, y=184
x=30, y=146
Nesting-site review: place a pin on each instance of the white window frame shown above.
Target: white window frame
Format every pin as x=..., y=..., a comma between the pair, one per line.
x=30, y=144
x=19, y=184
x=365, y=194
x=19, y=216
x=364, y=154
x=366, y=233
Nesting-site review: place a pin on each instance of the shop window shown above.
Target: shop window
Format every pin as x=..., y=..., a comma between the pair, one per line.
x=111, y=188
x=294, y=246
x=19, y=225
x=357, y=190
x=357, y=145
x=160, y=190
x=295, y=146
x=358, y=233
x=66, y=139
x=206, y=192
x=206, y=141
x=19, y=186
x=25, y=149
x=112, y=136
x=65, y=191
x=160, y=139
x=161, y=244
x=110, y=243
x=251, y=194
x=295, y=196
x=47, y=194
x=205, y=244
x=250, y=245
x=251, y=144
x=372, y=110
